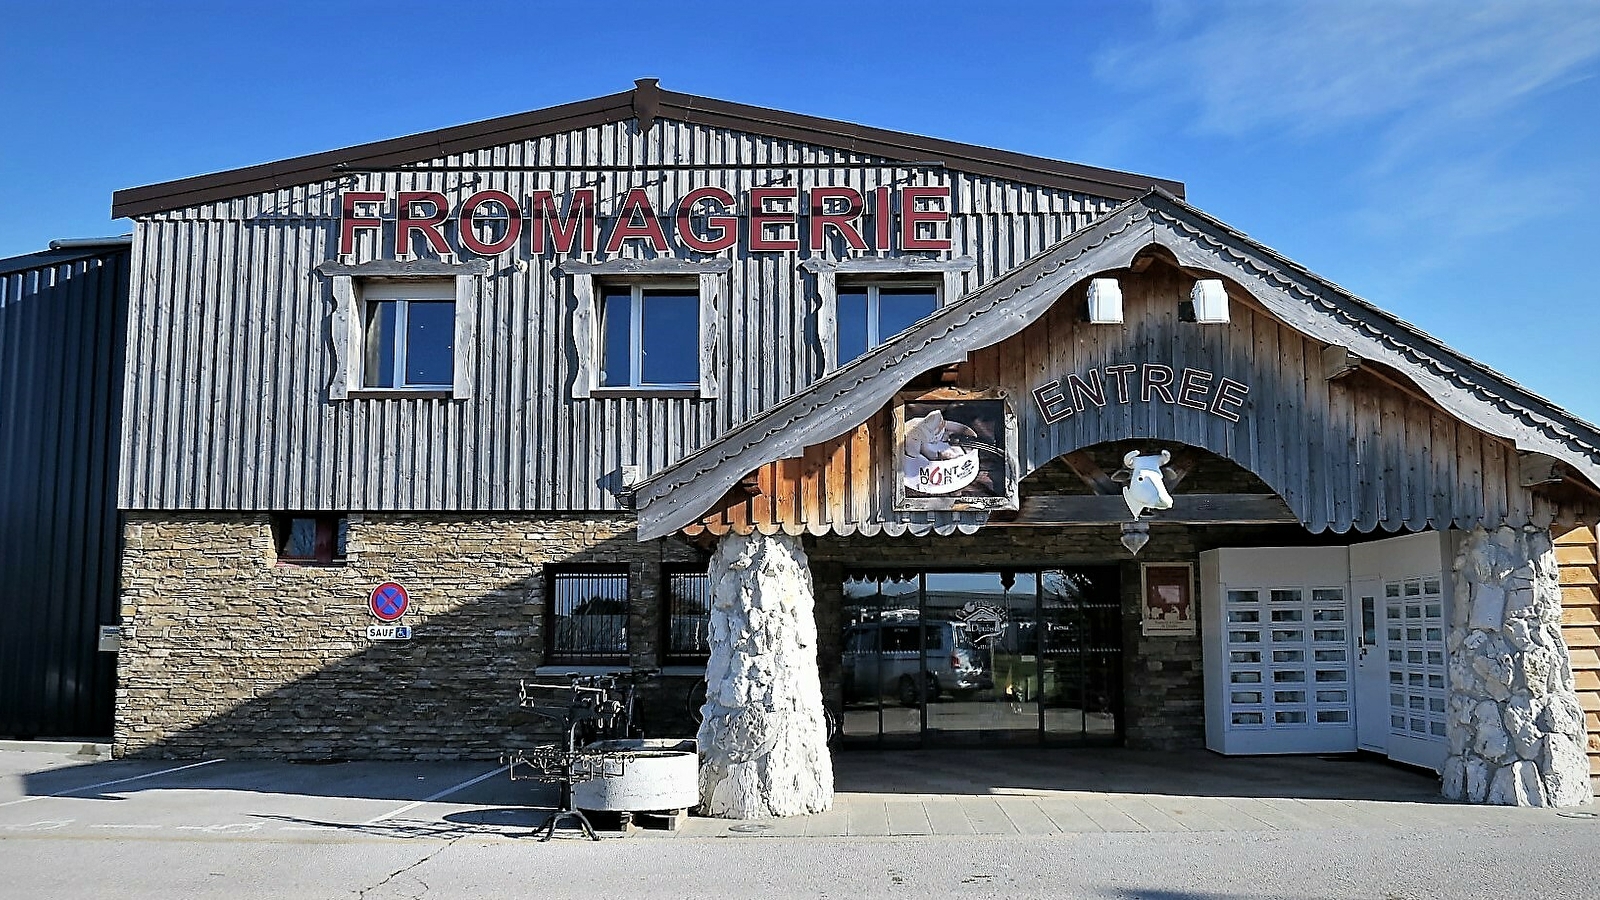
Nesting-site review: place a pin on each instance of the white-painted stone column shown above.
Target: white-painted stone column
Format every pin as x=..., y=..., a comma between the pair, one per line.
x=763, y=742
x=1516, y=729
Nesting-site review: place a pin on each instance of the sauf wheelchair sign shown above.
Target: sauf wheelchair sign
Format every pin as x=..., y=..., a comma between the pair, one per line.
x=388, y=602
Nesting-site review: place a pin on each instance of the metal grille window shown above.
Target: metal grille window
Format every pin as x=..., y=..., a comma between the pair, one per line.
x=688, y=616
x=409, y=331
x=588, y=620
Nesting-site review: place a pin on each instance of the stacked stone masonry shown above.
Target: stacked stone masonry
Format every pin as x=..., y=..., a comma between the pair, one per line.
x=231, y=653
x=1515, y=725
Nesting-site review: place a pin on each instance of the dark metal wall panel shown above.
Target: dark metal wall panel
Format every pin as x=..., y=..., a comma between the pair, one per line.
x=231, y=348
x=62, y=330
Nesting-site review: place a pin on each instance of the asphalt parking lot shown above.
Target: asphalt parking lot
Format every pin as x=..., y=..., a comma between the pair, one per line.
x=163, y=828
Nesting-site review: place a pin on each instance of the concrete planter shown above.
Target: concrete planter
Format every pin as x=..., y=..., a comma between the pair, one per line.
x=656, y=775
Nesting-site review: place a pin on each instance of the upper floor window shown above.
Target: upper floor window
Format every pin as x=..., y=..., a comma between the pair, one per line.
x=647, y=326
x=403, y=327
x=871, y=312
x=865, y=301
x=408, y=334
x=651, y=335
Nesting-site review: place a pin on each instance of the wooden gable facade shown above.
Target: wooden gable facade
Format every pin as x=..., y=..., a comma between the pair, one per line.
x=1352, y=418
x=234, y=386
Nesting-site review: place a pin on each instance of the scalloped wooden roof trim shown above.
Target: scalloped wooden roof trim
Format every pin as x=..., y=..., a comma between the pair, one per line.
x=682, y=493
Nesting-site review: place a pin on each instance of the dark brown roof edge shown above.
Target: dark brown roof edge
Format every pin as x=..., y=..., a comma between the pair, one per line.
x=902, y=145
x=648, y=102
x=393, y=152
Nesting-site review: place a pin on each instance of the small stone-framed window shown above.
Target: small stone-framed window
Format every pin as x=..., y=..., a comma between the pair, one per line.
x=310, y=539
x=687, y=596
x=587, y=615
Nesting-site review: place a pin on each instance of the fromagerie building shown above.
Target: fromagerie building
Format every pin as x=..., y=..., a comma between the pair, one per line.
x=924, y=442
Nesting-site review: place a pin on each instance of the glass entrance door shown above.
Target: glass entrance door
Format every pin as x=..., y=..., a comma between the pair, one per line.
x=982, y=657
x=992, y=663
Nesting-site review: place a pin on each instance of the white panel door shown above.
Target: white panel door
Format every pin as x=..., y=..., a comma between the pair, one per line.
x=1372, y=666
x=1278, y=642
x=1400, y=672
x=1414, y=632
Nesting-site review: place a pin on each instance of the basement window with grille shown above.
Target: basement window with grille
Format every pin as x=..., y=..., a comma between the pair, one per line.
x=310, y=539
x=587, y=616
x=688, y=618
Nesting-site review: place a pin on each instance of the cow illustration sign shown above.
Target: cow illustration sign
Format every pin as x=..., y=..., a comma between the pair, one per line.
x=955, y=453
x=389, y=601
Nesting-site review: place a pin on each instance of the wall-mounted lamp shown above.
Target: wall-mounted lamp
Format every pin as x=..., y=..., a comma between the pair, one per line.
x=1105, y=301
x=1210, y=300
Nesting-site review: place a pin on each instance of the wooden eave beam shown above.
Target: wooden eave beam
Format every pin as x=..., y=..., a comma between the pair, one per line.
x=1187, y=509
x=1178, y=468
x=1339, y=361
x=1540, y=468
x=1090, y=473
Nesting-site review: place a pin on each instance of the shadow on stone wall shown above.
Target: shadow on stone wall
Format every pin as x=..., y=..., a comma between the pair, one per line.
x=237, y=663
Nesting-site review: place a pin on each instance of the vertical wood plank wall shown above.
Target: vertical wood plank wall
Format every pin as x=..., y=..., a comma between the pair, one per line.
x=1353, y=453
x=230, y=355
x=1578, y=553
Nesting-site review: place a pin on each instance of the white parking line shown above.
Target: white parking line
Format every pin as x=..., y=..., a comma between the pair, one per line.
x=102, y=784
x=444, y=793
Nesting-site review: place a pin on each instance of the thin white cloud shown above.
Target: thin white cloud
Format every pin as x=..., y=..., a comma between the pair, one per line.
x=1245, y=66
x=1429, y=102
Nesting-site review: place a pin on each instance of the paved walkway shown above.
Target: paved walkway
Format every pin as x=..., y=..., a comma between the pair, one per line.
x=1087, y=791
x=878, y=794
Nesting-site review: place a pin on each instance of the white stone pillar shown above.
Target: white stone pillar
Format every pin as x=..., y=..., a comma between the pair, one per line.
x=763, y=742
x=1516, y=729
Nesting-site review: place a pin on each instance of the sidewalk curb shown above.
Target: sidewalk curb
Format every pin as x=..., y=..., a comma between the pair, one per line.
x=81, y=749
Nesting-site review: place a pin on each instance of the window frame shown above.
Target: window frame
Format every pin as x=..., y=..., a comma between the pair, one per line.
x=589, y=280
x=376, y=293
x=668, y=655
x=874, y=286
x=637, y=289
x=353, y=285
x=554, y=655
x=892, y=271
x=325, y=551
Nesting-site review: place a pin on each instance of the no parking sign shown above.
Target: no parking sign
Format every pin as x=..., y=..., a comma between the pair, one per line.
x=389, y=601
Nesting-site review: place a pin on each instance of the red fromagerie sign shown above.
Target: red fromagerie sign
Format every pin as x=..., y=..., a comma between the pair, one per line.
x=705, y=220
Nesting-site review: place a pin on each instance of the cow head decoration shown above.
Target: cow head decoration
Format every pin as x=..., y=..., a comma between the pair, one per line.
x=1146, y=486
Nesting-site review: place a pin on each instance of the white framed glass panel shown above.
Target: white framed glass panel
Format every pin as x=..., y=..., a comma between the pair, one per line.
x=868, y=314
x=408, y=334
x=650, y=336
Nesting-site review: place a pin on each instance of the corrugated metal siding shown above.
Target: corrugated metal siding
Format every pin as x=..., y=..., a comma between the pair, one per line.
x=231, y=349
x=61, y=341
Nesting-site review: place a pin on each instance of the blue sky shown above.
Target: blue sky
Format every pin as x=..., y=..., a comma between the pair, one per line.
x=1436, y=158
